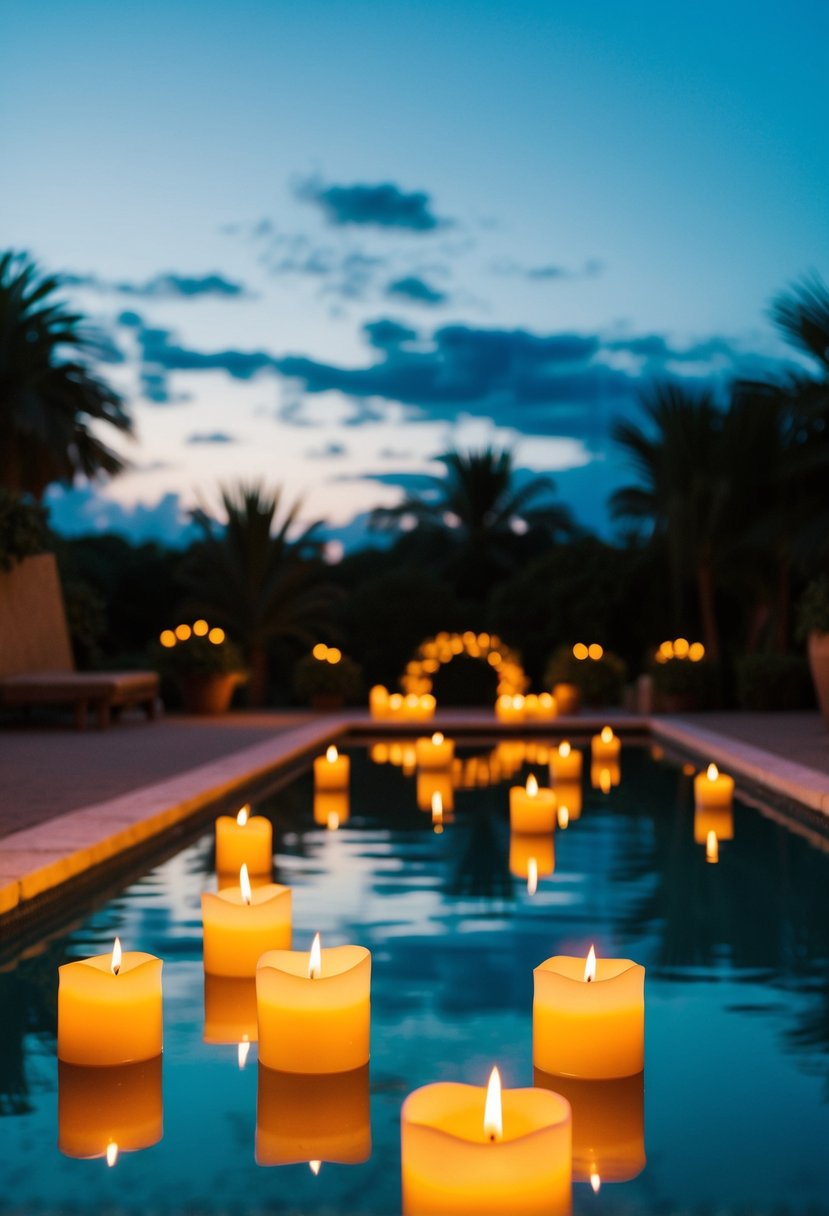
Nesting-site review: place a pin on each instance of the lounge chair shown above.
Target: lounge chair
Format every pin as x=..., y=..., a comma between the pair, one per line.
x=36, y=662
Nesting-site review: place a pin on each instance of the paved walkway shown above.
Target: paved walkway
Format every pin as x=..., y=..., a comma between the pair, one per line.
x=802, y=738
x=47, y=771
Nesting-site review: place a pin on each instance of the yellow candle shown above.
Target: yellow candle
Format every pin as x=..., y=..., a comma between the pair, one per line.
x=396, y=707
x=241, y=923
x=312, y=1118
x=608, y=1126
x=567, y=698
x=589, y=1018
x=532, y=856
x=605, y=747
x=605, y=774
x=466, y=1149
x=103, y=1112
x=246, y=840
x=332, y=771
x=568, y=797
x=425, y=708
x=314, y=1010
x=331, y=808
x=109, y=1008
x=431, y=783
x=229, y=1010
x=378, y=701
x=532, y=809
x=543, y=707
x=434, y=753
x=565, y=763
x=713, y=788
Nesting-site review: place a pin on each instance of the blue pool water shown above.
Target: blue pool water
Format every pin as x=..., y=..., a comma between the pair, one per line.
x=736, y=1083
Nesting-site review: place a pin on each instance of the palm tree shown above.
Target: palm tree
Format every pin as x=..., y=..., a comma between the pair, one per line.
x=478, y=510
x=50, y=399
x=802, y=315
x=683, y=491
x=257, y=580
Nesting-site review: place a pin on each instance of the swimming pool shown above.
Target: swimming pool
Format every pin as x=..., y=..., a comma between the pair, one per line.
x=733, y=1114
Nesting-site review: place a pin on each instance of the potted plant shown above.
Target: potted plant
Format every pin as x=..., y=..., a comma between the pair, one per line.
x=600, y=680
x=327, y=678
x=813, y=628
x=206, y=666
x=682, y=685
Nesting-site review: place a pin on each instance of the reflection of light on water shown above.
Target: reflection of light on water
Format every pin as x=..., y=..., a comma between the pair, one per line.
x=532, y=876
x=315, y=1167
x=242, y=1052
x=112, y=1153
x=595, y=1182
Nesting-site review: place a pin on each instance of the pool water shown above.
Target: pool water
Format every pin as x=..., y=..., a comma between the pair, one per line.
x=735, y=1112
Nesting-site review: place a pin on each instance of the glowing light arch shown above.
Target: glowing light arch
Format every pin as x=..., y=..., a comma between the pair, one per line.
x=435, y=652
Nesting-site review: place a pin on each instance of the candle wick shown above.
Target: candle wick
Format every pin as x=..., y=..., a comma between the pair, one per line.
x=115, y=970
x=590, y=979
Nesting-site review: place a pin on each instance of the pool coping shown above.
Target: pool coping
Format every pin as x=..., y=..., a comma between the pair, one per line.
x=35, y=861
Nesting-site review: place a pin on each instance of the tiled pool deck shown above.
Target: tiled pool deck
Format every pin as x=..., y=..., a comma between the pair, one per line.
x=70, y=801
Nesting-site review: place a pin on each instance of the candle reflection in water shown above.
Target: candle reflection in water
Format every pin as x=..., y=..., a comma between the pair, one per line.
x=313, y=1118
x=106, y=1111
x=331, y=808
x=532, y=855
x=608, y=1125
x=430, y=784
x=230, y=1013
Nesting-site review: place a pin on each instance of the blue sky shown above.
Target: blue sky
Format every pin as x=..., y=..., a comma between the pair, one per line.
x=331, y=239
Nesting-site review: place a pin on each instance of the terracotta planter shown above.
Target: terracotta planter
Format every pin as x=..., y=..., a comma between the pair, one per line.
x=208, y=694
x=818, y=649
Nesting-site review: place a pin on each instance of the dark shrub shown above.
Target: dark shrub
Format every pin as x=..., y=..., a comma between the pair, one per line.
x=774, y=681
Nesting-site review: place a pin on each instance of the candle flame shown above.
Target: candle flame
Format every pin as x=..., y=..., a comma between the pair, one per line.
x=112, y=1153
x=564, y=749
x=244, y=885
x=315, y=959
x=315, y=1167
x=116, y=960
x=437, y=738
x=605, y=782
x=532, y=876
x=596, y=1182
x=532, y=786
x=333, y=821
x=713, y=772
x=563, y=817
x=242, y=1051
x=493, y=1114
x=712, y=847
x=590, y=967
x=331, y=754
x=242, y=817
x=607, y=734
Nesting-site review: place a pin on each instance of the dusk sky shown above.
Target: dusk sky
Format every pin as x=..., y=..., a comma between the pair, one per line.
x=329, y=240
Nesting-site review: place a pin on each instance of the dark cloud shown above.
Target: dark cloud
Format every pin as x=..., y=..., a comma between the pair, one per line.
x=167, y=286
x=378, y=206
x=85, y=509
x=386, y=333
x=413, y=287
x=210, y=437
x=547, y=273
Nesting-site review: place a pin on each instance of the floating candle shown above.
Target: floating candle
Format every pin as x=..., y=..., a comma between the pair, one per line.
x=532, y=809
x=435, y=753
x=510, y=708
x=485, y=1152
x=378, y=701
x=332, y=771
x=241, y=923
x=312, y=1118
x=244, y=840
x=716, y=819
x=713, y=789
x=608, y=1125
x=589, y=1017
x=109, y=1008
x=605, y=747
x=106, y=1111
x=314, y=1009
x=565, y=763
x=567, y=698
